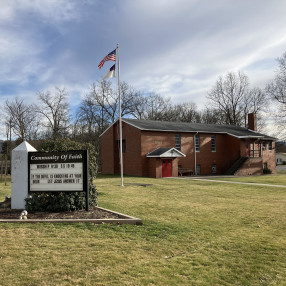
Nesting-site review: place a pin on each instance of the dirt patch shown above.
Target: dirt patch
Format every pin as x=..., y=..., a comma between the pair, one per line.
x=93, y=213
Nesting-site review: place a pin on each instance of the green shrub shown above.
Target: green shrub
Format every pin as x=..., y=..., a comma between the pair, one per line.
x=267, y=171
x=65, y=201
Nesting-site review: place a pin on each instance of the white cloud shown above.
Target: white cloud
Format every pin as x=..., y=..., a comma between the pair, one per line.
x=175, y=48
x=182, y=53
x=51, y=10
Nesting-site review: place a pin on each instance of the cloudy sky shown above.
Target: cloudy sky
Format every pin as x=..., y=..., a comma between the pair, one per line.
x=174, y=48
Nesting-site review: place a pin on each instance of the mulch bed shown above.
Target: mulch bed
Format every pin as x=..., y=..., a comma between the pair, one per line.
x=93, y=213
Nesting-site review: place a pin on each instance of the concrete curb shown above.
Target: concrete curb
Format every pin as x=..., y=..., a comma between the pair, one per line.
x=123, y=219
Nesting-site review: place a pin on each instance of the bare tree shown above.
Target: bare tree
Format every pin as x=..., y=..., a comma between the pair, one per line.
x=227, y=96
x=89, y=115
x=187, y=112
x=150, y=106
x=212, y=116
x=254, y=101
x=55, y=112
x=102, y=95
x=22, y=119
x=8, y=147
x=276, y=90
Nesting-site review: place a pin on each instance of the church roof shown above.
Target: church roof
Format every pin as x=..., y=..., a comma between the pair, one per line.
x=152, y=125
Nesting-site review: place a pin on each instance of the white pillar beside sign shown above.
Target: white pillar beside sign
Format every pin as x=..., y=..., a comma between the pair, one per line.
x=19, y=173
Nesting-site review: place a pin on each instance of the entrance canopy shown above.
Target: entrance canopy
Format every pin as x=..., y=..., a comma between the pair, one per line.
x=169, y=152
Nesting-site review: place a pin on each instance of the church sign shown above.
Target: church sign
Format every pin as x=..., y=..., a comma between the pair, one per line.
x=57, y=171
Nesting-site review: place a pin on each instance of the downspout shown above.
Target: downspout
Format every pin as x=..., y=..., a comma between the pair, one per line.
x=195, y=153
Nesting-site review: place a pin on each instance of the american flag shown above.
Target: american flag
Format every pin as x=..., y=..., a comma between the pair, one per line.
x=110, y=57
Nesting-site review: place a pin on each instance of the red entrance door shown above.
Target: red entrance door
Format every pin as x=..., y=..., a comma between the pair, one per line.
x=167, y=168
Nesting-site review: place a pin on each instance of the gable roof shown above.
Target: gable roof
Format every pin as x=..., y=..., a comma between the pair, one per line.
x=169, y=152
x=166, y=126
x=236, y=131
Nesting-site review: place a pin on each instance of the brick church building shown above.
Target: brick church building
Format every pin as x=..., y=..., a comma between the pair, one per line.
x=165, y=149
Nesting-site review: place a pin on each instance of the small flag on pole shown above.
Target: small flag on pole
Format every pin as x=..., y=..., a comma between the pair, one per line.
x=110, y=73
x=110, y=57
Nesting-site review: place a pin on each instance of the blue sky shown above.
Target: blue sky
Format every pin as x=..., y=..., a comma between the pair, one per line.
x=174, y=48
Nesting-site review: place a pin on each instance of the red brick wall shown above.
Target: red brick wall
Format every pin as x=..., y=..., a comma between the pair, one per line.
x=175, y=167
x=252, y=121
x=131, y=158
x=152, y=140
x=154, y=167
x=227, y=150
x=253, y=166
x=268, y=157
x=139, y=143
x=206, y=157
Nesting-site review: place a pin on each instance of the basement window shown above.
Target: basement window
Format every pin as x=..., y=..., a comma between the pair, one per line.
x=214, y=168
x=198, y=169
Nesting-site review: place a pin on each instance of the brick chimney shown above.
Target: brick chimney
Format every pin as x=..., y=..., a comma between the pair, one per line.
x=252, y=121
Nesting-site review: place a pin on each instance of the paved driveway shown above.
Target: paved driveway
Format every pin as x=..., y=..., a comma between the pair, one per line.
x=281, y=167
x=220, y=180
x=242, y=183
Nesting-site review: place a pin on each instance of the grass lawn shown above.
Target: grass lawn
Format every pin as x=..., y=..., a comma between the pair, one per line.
x=5, y=190
x=194, y=233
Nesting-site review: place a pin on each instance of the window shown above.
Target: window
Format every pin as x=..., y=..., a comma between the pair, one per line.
x=197, y=142
x=198, y=169
x=123, y=145
x=270, y=145
x=263, y=145
x=178, y=142
x=214, y=168
x=265, y=166
x=213, y=142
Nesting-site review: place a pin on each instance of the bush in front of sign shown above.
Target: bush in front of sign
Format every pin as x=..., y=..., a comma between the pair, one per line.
x=58, y=201
x=65, y=201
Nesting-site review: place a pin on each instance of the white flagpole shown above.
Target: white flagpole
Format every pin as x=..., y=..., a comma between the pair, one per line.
x=120, y=121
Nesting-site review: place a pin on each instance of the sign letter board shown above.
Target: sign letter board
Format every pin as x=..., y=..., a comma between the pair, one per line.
x=58, y=171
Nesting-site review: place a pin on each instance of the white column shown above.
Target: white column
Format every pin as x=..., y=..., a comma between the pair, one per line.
x=19, y=172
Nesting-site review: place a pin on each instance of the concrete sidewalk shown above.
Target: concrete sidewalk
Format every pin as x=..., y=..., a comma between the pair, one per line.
x=217, y=180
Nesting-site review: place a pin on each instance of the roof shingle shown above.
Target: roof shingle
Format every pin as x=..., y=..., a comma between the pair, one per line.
x=236, y=131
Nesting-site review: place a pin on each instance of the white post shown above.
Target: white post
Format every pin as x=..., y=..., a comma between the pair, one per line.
x=19, y=173
x=195, y=153
x=120, y=121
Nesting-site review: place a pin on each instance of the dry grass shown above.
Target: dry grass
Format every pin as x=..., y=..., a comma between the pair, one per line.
x=194, y=233
x=5, y=190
